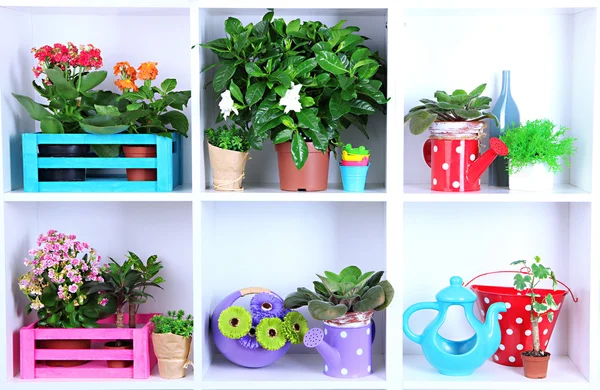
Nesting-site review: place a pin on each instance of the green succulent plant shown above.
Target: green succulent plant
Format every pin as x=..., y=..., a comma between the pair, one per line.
x=336, y=295
x=460, y=106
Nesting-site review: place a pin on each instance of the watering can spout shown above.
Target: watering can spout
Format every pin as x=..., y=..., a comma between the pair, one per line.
x=477, y=167
x=492, y=324
x=314, y=339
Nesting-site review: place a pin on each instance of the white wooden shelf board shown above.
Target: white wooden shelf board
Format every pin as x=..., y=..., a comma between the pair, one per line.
x=272, y=193
x=560, y=193
x=293, y=371
x=179, y=194
x=562, y=375
x=154, y=382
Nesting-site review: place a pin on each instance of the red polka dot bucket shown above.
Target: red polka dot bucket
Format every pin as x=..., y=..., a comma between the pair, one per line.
x=515, y=323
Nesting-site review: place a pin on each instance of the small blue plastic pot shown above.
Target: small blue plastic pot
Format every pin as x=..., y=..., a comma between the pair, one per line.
x=354, y=178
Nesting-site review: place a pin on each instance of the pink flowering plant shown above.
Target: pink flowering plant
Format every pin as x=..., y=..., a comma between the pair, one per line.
x=60, y=281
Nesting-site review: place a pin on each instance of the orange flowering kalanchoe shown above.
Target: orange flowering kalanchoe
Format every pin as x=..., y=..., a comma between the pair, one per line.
x=148, y=71
x=128, y=76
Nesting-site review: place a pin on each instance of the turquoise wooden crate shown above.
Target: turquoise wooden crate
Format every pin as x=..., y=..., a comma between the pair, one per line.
x=167, y=163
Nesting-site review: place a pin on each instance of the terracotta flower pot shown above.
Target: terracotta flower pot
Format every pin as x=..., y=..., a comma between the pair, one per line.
x=135, y=174
x=64, y=344
x=228, y=168
x=535, y=367
x=118, y=363
x=313, y=175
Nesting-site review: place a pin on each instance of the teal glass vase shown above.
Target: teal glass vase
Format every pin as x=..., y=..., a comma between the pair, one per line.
x=507, y=112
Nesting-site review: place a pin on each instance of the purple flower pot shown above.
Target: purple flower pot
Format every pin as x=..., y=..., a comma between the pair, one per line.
x=232, y=349
x=347, y=351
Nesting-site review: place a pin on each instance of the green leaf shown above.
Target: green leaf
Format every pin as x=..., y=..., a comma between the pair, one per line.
x=442, y=96
x=307, y=101
x=367, y=69
x=537, y=259
x=338, y=107
x=333, y=276
x=282, y=78
x=168, y=85
x=468, y=114
x=260, y=29
x=321, y=289
x=288, y=122
x=519, y=262
x=349, y=93
x=268, y=17
x=373, y=298
x=322, y=79
x=134, y=106
x=283, y=136
x=369, y=90
x=345, y=81
x=35, y=110
x=350, y=42
x=351, y=271
x=233, y=26
x=478, y=91
x=253, y=70
x=520, y=282
x=107, y=110
x=459, y=92
x=177, y=119
x=209, y=67
x=551, y=316
x=550, y=302
x=328, y=61
x=255, y=92
x=92, y=80
x=63, y=86
x=319, y=139
x=279, y=26
x=321, y=46
x=325, y=311
x=540, y=308
x=539, y=271
x=360, y=54
x=293, y=26
x=299, y=149
x=307, y=118
x=236, y=92
x=70, y=307
x=49, y=297
x=421, y=122
x=107, y=150
x=358, y=106
x=296, y=300
x=51, y=125
x=304, y=67
x=222, y=77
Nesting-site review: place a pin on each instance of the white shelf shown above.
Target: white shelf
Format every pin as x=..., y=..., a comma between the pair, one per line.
x=179, y=194
x=154, y=382
x=562, y=374
x=293, y=371
x=272, y=193
x=560, y=193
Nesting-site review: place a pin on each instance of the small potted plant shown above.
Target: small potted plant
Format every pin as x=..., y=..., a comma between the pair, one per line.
x=345, y=303
x=535, y=361
x=172, y=340
x=126, y=284
x=537, y=151
x=61, y=288
x=299, y=84
x=160, y=115
x=228, y=148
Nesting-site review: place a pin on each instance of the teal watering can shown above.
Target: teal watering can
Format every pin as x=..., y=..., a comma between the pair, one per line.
x=456, y=358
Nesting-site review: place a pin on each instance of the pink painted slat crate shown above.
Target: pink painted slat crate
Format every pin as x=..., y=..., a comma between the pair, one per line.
x=142, y=354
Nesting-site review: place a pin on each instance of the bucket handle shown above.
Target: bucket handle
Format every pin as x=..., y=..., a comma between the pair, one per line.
x=524, y=270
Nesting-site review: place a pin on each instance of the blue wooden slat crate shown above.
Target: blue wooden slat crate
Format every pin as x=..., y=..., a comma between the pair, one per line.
x=167, y=163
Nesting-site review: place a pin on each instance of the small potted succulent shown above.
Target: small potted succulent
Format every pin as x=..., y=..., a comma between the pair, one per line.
x=537, y=151
x=345, y=303
x=160, y=115
x=172, y=340
x=61, y=288
x=126, y=285
x=299, y=84
x=228, y=148
x=535, y=361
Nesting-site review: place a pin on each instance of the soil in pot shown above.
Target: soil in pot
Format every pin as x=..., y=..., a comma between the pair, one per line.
x=63, y=174
x=121, y=344
x=535, y=365
x=147, y=151
x=313, y=175
x=64, y=344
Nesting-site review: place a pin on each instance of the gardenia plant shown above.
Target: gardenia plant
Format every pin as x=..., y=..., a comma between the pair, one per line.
x=538, y=142
x=460, y=106
x=59, y=284
x=296, y=81
x=350, y=291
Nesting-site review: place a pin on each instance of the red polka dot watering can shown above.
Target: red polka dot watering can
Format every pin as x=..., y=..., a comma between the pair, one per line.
x=515, y=323
x=452, y=152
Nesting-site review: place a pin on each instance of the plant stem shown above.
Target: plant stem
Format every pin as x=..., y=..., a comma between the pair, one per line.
x=132, y=311
x=120, y=316
x=536, y=333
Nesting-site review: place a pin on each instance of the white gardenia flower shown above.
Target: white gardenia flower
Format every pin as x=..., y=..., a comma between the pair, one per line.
x=226, y=104
x=291, y=100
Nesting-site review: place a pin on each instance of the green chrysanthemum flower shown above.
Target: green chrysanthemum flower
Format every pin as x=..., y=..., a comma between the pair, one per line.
x=269, y=334
x=235, y=322
x=295, y=327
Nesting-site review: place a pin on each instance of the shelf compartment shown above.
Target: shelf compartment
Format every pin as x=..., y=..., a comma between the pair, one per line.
x=562, y=374
x=293, y=371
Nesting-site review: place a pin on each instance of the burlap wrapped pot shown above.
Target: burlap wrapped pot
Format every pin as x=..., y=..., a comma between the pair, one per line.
x=172, y=352
x=228, y=168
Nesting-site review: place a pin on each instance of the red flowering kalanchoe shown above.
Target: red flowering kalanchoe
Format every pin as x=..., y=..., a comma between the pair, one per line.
x=82, y=58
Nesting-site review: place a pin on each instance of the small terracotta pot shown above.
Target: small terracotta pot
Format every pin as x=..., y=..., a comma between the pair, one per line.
x=64, y=344
x=313, y=175
x=535, y=367
x=119, y=363
x=136, y=174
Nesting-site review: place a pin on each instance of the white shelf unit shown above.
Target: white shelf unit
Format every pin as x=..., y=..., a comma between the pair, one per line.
x=214, y=243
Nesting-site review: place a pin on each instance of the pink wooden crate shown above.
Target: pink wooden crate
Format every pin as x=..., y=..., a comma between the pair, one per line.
x=142, y=353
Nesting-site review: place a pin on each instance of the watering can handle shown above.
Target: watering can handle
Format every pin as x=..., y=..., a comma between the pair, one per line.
x=524, y=270
x=427, y=152
x=410, y=311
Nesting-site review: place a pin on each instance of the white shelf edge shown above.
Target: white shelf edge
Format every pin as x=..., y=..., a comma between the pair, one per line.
x=179, y=194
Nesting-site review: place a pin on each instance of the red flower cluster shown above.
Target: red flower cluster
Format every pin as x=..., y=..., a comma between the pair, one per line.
x=61, y=56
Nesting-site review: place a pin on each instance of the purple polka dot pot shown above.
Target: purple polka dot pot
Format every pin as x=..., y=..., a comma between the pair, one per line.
x=346, y=351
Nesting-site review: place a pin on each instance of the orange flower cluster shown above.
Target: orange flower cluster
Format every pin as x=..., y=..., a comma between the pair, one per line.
x=128, y=75
x=148, y=71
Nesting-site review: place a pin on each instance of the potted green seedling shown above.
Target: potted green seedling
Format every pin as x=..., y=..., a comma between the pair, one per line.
x=172, y=340
x=537, y=151
x=228, y=148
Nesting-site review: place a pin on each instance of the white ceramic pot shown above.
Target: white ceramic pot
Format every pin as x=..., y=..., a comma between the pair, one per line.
x=535, y=177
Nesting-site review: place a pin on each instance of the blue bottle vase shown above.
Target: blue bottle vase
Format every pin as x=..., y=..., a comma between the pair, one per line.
x=507, y=112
